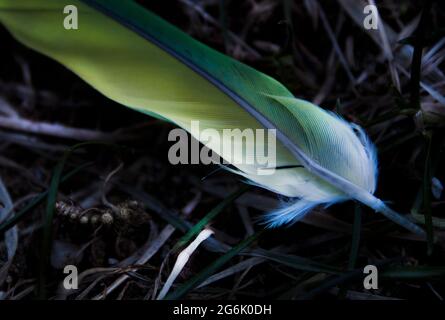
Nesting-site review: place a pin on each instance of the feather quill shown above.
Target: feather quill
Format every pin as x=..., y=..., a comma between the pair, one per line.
x=139, y=60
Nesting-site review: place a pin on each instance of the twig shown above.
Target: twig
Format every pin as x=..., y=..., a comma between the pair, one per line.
x=55, y=130
x=104, y=188
x=30, y=141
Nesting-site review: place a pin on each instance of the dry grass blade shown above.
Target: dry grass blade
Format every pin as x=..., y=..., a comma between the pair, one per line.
x=355, y=295
x=7, y=109
x=11, y=236
x=150, y=251
x=63, y=293
x=387, y=50
x=181, y=261
x=236, y=268
x=336, y=46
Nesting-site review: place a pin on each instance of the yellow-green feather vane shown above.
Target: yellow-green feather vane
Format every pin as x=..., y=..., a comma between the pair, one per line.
x=137, y=59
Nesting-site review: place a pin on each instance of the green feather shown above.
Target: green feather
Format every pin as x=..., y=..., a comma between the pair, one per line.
x=139, y=60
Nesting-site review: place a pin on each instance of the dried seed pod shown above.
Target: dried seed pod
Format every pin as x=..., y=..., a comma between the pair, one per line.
x=107, y=218
x=94, y=219
x=84, y=219
x=62, y=208
x=67, y=209
x=124, y=213
x=133, y=204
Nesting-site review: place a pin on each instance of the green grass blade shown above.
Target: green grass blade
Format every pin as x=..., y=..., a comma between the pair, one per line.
x=344, y=278
x=50, y=209
x=5, y=226
x=292, y=261
x=210, y=216
x=435, y=161
x=423, y=272
x=355, y=245
x=298, y=263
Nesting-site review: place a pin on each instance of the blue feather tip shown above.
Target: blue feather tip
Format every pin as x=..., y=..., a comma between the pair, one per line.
x=292, y=211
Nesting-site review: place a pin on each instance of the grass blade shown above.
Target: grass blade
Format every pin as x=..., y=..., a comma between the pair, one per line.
x=355, y=245
x=427, y=176
x=347, y=277
x=50, y=209
x=423, y=272
x=5, y=226
x=296, y=262
x=210, y=216
x=212, y=268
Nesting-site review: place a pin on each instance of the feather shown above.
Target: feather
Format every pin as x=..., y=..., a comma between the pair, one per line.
x=139, y=60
